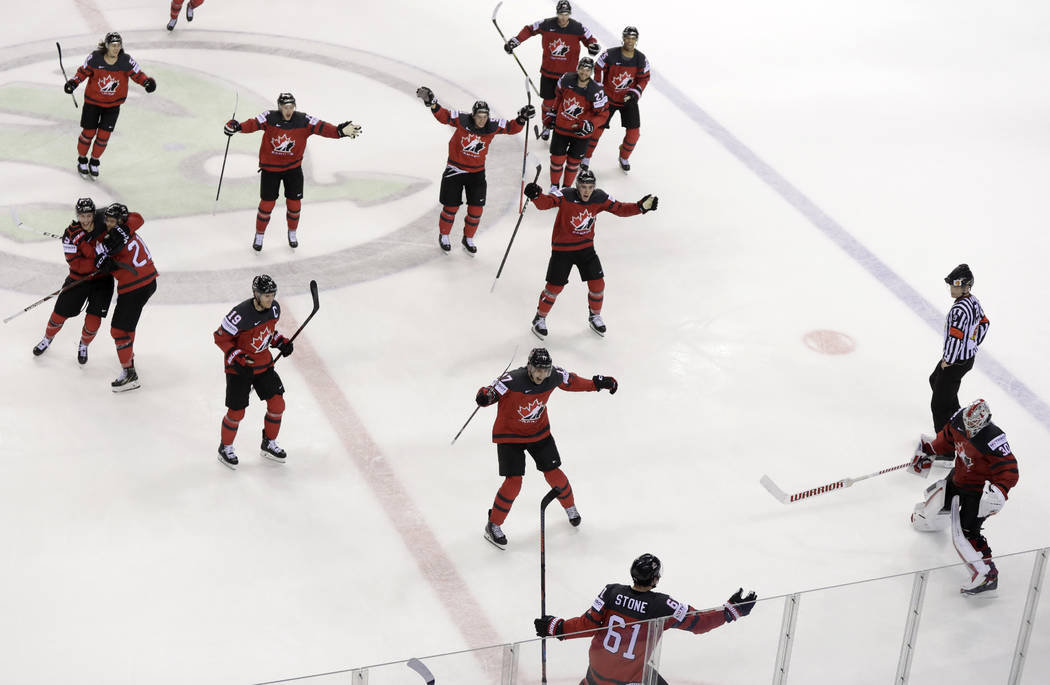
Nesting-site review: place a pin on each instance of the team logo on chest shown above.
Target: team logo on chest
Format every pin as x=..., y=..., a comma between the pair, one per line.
x=622, y=81
x=572, y=107
x=261, y=340
x=108, y=85
x=531, y=412
x=473, y=145
x=583, y=222
x=283, y=144
x=559, y=48
x=960, y=451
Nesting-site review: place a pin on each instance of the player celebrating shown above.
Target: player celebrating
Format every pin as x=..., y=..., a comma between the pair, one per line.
x=522, y=425
x=124, y=253
x=107, y=71
x=78, y=243
x=985, y=470
x=964, y=330
x=619, y=628
x=465, y=168
x=580, y=106
x=624, y=74
x=176, y=7
x=245, y=336
x=281, y=158
x=572, y=243
x=561, y=37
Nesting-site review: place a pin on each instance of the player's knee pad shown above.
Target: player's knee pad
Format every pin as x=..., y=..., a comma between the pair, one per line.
x=275, y=405
x=597, y=286
x=931, y=515
x=293, y=205
x=235, y=415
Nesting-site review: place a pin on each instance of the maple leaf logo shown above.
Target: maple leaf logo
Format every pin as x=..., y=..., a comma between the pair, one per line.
x=960, y=452
x=622, y=81
x=559, y=48
x=531, y=412
x=108, y=84
x=582, y=223
x=473, y=145
x=283, y=144
x=260, y=341
x=572, y=108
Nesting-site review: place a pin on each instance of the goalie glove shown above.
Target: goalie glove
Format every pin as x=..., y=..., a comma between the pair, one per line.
x=992, y=501
x=923, y=457
x=349, y=129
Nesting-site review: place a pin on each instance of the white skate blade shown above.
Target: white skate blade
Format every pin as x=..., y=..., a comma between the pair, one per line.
x=127, y=386
x=232, y=467
x=264, y=453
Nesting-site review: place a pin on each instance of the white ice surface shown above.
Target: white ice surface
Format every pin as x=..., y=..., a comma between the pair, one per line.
x=130, y=556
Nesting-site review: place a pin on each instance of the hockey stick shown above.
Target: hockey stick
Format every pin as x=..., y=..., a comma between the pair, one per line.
x=18, y=223
x=420, y=668
x=525, y=155
x=317, y=305
x=222, y=172
x=494, y=13
x=547, y=499
x=512, y=235
x=63, y=68
x=785, y=498
x=479, y=406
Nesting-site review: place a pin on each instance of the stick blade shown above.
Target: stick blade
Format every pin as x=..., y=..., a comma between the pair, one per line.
x=496, y=11
x=772, y=488
x=314, y=295
x=421, y=668
x=548, y=498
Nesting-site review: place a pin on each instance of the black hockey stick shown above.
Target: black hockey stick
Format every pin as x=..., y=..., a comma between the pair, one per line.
x=479, y=406
x=525, y=155
x=512, y=235
x=317, y=305
x=547, y=499
x=494, y=23
x=63, y=68
x=236, y=101
x=420, y=668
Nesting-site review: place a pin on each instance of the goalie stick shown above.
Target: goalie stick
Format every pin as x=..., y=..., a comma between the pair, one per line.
x=420, y=668
x=479, y=406
x=785, y=498
x=317, y=305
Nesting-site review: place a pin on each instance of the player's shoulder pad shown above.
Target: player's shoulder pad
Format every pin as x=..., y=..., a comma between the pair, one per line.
x=269, y=116
x=574, y=27
x=568, y=80
x=127, y=62
x=599, y=196
x=991, y=439
x=231, y=323
x=276, y=309
x=600, y=600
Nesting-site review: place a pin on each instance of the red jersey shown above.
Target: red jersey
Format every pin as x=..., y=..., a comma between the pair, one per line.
x=521, y=415
x=246, y=329
x=617, y=653
x=284, y=142
x=574, y=225
x=621, y=76
x=79, y=247
x=561, y=46
x=984, y=457
x=573, y=104
x=126, y=247
x=108, y=83
x=469, y=145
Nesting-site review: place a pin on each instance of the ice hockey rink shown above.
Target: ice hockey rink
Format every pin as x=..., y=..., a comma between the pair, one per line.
x=820, y=167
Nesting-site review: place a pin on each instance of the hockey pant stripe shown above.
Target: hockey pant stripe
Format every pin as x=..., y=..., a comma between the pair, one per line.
x=125, y=341
x=293, y=208
x=473, y=218
x=558, y=480
x=101, y=140
x=262, y=219
x=594, y=142
x=54, y=325
x=557, y=165
x=547, y=298
x=571, y=169
x=448, y=216
x=507, y=493
x=84, y=142
x=595, y=295
x=272, y=422
x=630, y=139
x=92, y=322
x=230, y=423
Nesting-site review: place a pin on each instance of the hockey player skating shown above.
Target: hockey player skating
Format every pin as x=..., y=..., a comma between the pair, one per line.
x=580, y=107
x=984, y=472
x=522, y=425
x=618, y=628
x=78, y=244
x=624, y=74
x=572, y=243
x=964, y=330
x=176, y=7
x=107, y=71
x=281, y=158
x=561, y=37
x=245, y=337
x=123, y=253
x=465, y=168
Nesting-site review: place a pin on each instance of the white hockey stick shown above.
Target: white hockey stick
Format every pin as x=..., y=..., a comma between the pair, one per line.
x=785, y=498
x=420, y=668
x=25, y=227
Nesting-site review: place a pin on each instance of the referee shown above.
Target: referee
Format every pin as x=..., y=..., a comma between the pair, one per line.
x=964, y=330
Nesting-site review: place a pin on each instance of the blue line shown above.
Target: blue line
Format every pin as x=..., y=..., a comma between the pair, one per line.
x=834, y=231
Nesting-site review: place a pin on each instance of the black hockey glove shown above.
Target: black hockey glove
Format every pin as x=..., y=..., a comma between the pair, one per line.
x=486, y=397
x=549, y=626
x=586, y=129
x=606, y=383
x=533, y=191
x=105, y=264
x=738, y=605
x=511, y=44
x=70, y=86
x=426, y=95
x=239, y=363
x=349, y=129
x=115, y=240
x=232, y=126
x=648, y=203
x=526, y=113
x=594, y=49
x=283, y=344
x=150, y=85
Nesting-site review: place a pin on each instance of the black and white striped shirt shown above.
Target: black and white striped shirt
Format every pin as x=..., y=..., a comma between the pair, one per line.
x=964, y=330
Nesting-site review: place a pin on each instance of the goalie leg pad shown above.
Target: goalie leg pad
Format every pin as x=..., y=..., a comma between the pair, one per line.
x=964, y=545
x=930, y=515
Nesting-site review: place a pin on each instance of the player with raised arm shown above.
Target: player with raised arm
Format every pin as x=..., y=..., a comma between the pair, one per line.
x=618, y=623
x=281, y=158
x=985, y=470
x=561, y=37
x=964, y=330
x=580, y=107
x=572, y=244
x=245, y=337
x=176, y=7
x=624, y=73
x=522, y=425
x=465, y=168
x=78, y=244
x=107, y=71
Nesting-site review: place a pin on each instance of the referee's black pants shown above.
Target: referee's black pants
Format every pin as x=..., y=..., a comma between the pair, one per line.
x=945, y=386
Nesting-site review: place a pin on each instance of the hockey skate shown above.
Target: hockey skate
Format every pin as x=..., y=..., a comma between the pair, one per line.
x=445, y=243
x=271, y=450
x=494, y=534
x=982, y=582
x=293, y=240
x=82, y=354
x=574, y=516
x=189, y=10
x=41, y=347
x=597, y=324
x=93, y=167
x=469, y=246
x=227, y=457
x=171, y=24
x=625, y=165
x=82, y=166
x=257, y=243
x=127, y=380
x=539, y=326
